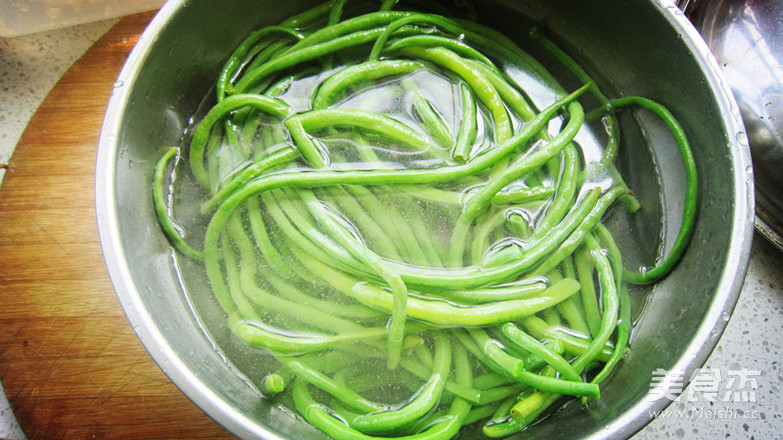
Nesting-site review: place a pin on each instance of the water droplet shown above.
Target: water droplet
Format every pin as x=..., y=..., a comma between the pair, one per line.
x=742, y=138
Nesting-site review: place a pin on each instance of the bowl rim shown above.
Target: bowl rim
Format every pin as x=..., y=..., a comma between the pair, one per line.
x=108, y=222
x=627, y=424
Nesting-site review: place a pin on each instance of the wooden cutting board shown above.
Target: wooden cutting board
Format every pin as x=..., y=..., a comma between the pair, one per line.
x=69, y=361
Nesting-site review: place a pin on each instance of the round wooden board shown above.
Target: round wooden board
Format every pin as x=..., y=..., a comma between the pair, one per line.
x=69, y=361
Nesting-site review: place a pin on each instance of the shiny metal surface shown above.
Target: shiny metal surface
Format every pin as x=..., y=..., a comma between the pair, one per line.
x=746, y=37
x=645, y=48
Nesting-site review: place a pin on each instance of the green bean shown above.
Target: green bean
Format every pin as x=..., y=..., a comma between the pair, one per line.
x=496, y=394
x=471, y=277
x=256, y=335
x=323, y=178
x=335, y=12
x=552, y=317
x=300, y=227
x=340, y=391
x=371, y=20
x=585, y=270
x=455, y=46
x=602, y=234
x=323, y=420
x=441, y=312
x=524, y=412
x=480, y=413
x=623, y=333
x=237, y=58
x=343, y=310
x=430, y=194
x=573, y=344
x=241, y=303
x=493, y=380
x=610, y=123
x=352, y=75
x=272, y=106
x=663, y=267
x=513, y=99
x=616, y=300
x=285, y=154
x=299, y=126
x=522, y=195
x=399, y=310
x=468, y=393
x=268, y=85
x=306, y=314
x=443, y=240
x=504, y=363
x=320, y=43
x=424, y=401
x=385, y=245
x=531, y=344
x=306, y=18
x=482, y=88
x=518, y=225
x=274, y=384
x=481, y=199
x=564, y=195
x=391, y=221
x=571, y=308
x=515, y=369
x=481, y=237
x=424, y=355
x=502, y=47
x=505, y=406
x=432, y=120
x=624, y=324
x=610, y=300
x=260, y=235
x=289, y=229
x=446, y=428
x=468, y=125
x=474, y=277
x=391, y=128
x=162, y=210
x=433, y=250
x=524, y=289
x=568, y=246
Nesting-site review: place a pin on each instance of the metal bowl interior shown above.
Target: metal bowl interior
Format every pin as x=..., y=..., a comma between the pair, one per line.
x=633, y=48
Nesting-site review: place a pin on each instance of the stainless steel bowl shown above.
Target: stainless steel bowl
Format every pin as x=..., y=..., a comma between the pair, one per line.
x=638, y=47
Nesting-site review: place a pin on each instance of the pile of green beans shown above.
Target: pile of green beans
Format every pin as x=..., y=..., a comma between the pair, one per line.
x=417, y=244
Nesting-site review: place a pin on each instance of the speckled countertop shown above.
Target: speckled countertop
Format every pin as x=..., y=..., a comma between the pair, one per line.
x=746, y=403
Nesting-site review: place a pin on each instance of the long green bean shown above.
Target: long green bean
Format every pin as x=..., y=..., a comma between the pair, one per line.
x=663, y=267
x=162, y=211
x=386, y=209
